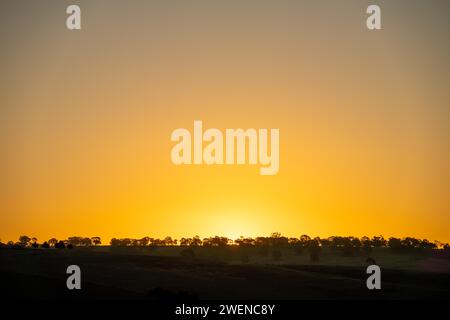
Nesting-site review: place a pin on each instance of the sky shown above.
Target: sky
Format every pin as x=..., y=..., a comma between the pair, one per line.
x=86, y=118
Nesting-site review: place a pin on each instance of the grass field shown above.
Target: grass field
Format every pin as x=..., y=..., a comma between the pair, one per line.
x=219, y=273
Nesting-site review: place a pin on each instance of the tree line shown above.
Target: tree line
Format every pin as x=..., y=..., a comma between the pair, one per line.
x=349, y=244
x=27, y=242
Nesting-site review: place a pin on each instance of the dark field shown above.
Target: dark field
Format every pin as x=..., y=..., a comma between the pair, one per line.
x=163, y=274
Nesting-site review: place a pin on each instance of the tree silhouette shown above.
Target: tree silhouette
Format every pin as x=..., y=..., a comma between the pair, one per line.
x=196, y=241
x=304, y=240
x=52, y=242
x=347, y=246
x=168, y=241
x=96, y=240
x=34, y=242
x=86, y=242
x=24, y=240
x=245, y=242
x=379, y=242
x=216, y=241
x=145, y=241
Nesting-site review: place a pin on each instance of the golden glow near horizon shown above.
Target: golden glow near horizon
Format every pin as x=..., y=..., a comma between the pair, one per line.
x=86, y=118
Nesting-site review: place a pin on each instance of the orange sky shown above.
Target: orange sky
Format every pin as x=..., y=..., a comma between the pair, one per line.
x=86, y=118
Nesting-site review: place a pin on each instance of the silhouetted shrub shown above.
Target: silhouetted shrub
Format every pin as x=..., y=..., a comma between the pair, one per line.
x=45, y=245
x=35, y=245
x=69, y=246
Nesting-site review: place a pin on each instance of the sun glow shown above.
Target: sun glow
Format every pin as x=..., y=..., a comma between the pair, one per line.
x=233, y=223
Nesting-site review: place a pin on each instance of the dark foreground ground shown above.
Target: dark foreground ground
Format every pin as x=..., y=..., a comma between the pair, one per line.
x=41, y=274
